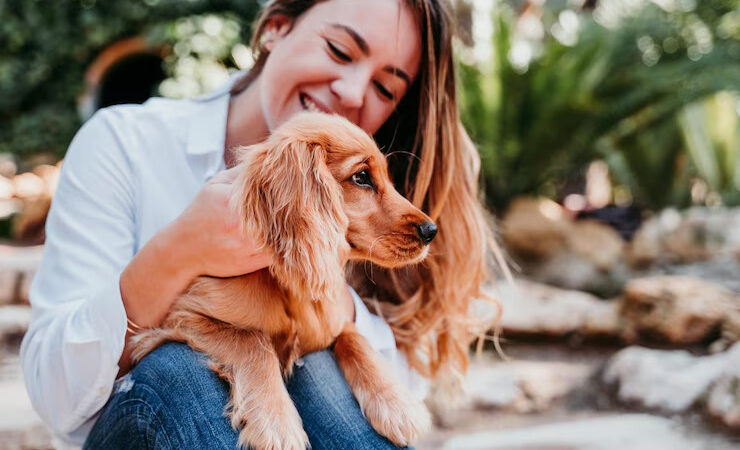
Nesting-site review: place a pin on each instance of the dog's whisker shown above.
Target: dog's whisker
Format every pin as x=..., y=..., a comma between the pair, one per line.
x=371, y=277
x=402, y=151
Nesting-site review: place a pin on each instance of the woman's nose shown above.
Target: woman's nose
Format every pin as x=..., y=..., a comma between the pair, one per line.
x=350, y=91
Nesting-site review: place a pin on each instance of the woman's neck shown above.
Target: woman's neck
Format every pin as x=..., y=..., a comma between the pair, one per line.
x=245, y=122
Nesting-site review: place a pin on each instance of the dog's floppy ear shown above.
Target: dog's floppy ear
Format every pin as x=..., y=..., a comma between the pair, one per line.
x=287, y=195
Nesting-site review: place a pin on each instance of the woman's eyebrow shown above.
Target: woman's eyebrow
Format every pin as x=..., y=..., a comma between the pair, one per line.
x=362, y=43
x=398, y=72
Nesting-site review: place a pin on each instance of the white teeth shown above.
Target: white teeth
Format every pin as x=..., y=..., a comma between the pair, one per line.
x=309, y=105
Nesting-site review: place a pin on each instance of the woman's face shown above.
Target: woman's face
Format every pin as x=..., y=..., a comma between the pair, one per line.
x=355, y=58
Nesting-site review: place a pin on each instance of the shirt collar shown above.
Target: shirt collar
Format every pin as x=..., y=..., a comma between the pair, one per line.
x=206, y=132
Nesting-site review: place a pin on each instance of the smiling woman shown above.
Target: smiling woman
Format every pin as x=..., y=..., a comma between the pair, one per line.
x=350, y=57
x=142, y=209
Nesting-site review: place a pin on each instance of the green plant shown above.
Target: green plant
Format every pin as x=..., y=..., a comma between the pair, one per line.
x=615, y=89
x=46, y=46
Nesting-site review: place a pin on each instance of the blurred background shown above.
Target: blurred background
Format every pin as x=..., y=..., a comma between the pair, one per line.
x=609, y=132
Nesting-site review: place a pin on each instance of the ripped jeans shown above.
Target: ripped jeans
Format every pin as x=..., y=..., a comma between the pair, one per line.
x=172, y=400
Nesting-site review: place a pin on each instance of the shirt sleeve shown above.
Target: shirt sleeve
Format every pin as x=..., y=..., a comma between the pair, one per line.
x=380, y=336
x=76, y=336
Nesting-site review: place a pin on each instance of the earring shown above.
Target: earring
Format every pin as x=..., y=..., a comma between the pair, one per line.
x=267, y=41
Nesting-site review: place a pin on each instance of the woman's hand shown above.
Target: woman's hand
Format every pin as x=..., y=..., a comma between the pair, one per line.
x=204, y=240
x=209, y=230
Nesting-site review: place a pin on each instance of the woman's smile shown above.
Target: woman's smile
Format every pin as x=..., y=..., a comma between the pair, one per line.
x=333, y=59
x=310, y=104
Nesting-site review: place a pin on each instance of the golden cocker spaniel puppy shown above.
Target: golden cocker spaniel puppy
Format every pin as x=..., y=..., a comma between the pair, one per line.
x=318, y=194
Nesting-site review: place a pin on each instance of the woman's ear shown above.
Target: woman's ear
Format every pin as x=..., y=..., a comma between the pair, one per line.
x=288, y=196
x=276, y=28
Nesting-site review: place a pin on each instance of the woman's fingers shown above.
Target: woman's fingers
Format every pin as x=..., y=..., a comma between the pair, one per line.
x=226, y=176
x=259, y=261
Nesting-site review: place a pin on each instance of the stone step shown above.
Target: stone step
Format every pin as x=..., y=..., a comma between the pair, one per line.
x=14, y=320
x=613, y=432
x=20, y=426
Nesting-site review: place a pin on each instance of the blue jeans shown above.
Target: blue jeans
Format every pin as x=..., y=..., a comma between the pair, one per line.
x=172, y=400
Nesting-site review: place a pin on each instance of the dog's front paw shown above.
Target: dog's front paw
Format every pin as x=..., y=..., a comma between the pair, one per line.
x=271, y=427
x=395, y=414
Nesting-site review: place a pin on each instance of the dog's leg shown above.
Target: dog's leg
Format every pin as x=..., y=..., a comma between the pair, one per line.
x=388, y=405
x=146, y=341
x=259, y=403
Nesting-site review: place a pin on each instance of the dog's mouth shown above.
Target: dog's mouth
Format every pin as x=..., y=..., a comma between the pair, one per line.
x=391, y=251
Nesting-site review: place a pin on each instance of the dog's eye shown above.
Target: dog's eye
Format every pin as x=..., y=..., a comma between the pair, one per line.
x=362, y=178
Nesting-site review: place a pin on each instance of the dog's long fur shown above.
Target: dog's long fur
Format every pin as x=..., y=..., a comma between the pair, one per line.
x=299, y=192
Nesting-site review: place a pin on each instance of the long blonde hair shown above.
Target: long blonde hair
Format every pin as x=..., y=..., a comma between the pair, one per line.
x=435, y=165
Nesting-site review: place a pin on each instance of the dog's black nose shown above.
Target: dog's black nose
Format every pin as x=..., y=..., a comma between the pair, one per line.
x=426, y=231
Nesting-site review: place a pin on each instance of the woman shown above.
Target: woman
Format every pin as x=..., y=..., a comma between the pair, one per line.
x=141, y=210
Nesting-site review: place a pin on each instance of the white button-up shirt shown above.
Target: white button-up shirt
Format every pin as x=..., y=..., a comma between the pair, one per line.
x=129, y=171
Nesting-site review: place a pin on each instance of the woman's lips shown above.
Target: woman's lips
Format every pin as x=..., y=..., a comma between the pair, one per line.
x=309, y=104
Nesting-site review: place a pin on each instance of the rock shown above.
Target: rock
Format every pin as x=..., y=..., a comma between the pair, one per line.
x=35, y=189
x=19, y=258
x=50, y=175
x=7, y=188
x=28, y=225
x=570, y=271
x=675, y=309
x=696, y=234
x=553, y=248
x=534, y=308
x=24, y=288
x=17, y=267
x=534, y=228
x=28, y=185
x=8, y=166
x=14, y=320
x=538, y=229
x=723, y=401
x=8, y=286
x=645, y=247
x=20, y=425
x=721, y=270
x=8, y=207
x=670, y=381
x=731, y=326
x=598, y=243
x=523, y=386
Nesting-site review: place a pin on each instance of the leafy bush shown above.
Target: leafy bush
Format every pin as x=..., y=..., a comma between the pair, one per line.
x=46, y=46
x=610, y=84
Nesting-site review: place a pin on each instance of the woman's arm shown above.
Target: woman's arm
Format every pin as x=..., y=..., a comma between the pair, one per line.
x=151, y=282
x=89, y=278
x=167, y=264
x=70, y=351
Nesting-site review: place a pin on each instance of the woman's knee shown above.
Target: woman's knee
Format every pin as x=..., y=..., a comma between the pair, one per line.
x=331, y=416
x=171, y=399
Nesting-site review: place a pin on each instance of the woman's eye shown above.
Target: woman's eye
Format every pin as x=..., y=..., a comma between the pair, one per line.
x=338, y=53
x=362, y=178
x=383, y=91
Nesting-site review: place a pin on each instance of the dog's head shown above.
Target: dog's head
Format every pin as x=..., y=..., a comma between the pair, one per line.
x=318, y=193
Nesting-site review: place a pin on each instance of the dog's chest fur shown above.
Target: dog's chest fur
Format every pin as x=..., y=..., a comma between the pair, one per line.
x=255, y=301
